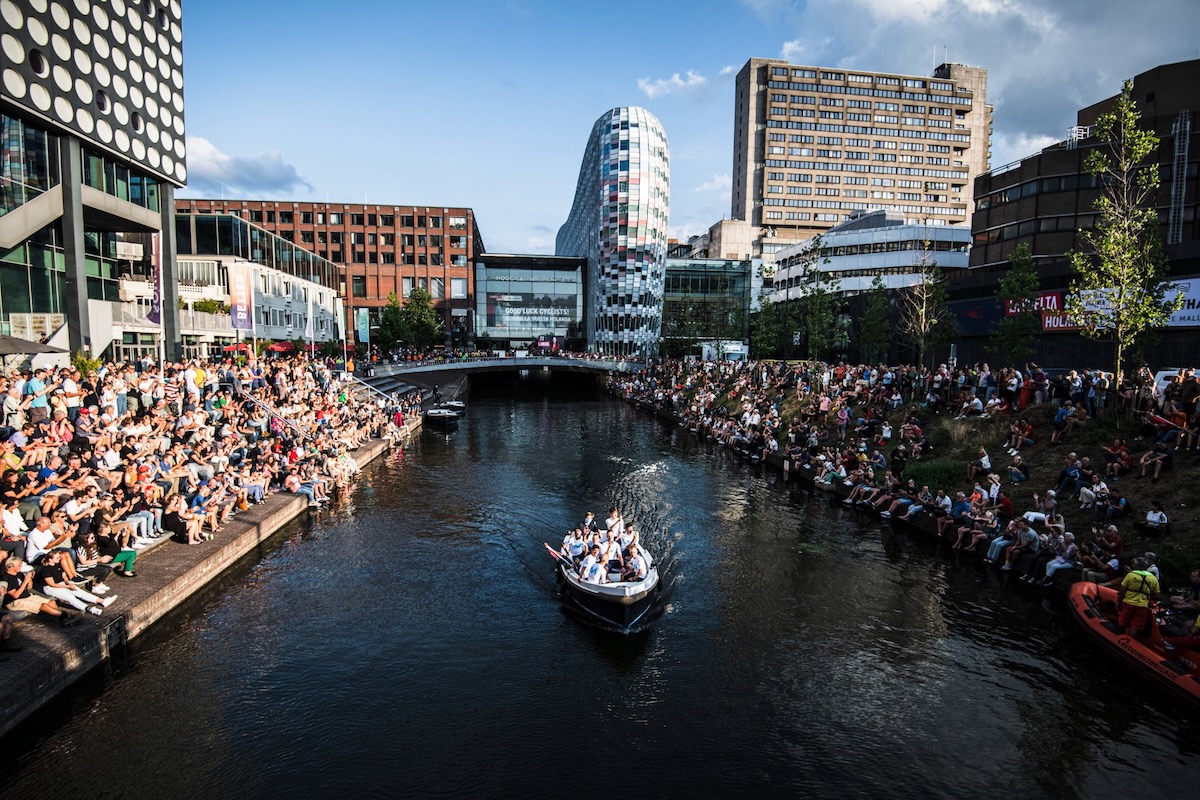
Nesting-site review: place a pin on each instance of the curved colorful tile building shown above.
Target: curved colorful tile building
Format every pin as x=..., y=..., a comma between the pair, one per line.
x=618, y=222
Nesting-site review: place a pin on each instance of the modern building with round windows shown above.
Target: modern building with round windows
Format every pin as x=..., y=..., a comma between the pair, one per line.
x=618, y=222
x=92, y=148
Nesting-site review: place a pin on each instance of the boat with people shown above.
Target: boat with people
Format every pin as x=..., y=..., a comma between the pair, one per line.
x=1174, y=669
x=611, y=578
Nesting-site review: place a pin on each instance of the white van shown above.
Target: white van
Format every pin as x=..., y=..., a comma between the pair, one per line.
x=1162, y=379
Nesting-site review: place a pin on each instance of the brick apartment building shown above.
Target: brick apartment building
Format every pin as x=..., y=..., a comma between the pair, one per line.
x=379, y=248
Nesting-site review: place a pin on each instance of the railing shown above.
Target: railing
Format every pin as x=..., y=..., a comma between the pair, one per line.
x=358, y=382
x=273, y=414
x=600, y=362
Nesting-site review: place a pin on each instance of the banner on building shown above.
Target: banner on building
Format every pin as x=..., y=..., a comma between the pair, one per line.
x=363, y=325
x=155, y=315
x=241, y=297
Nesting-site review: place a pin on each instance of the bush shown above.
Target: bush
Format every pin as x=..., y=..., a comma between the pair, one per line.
x=936, y=473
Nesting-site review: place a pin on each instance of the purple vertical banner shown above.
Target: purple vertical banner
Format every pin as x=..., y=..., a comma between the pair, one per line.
x=155, y=315
x=241, y=298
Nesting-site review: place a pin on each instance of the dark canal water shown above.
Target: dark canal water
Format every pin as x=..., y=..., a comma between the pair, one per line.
x=412, y=644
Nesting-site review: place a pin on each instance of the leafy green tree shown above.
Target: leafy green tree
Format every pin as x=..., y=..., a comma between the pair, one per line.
x=421, y=324
x=875, y=329
x=924, y=317
x=768, y=327
x=818, y=309
x=392, y=330
x=1021, y=321
x=1120, y=289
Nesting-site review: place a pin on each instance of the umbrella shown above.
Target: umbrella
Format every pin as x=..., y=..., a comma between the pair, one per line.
x=12, y=346
x=233, y=348
x=281, y=347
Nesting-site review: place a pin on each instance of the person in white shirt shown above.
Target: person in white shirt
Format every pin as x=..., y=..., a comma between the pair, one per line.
x=614, y=520
x=589, y=560
x=574, y=546
x=635, y=568
x=72, y=394
x=596, y=572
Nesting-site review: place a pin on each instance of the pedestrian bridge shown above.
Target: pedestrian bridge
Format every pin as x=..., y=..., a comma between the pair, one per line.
x=421, y=372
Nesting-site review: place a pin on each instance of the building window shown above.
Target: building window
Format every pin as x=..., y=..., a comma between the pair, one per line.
x=357, y=219
x=335, y=218
x=359, y=257
x=460, y=223
x=370, y=238
x=387, y=258
x=387, y=239
x=437, y=288
x=358, y=285
x=436, y=221
x=320, y=217
x=285, y=218
x=420, y=221
x=387, y=220
x=422, y=260
x=335, y=237
x=306, y=218
x=306, y=237
x=335, y=255
x=408, y=258
x=406, y=287
x=406, y=239
x=406, y=221
x=458, y=288
x=435, y=241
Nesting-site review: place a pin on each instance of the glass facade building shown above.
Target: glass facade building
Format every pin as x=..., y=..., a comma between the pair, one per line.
x=618, y=222
x=519, y=298
x=706, y=300
x=92, y=148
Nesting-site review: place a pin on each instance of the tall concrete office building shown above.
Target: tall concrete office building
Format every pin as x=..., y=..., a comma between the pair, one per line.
x=91, y=147
x=813, y=144
x=618, y=222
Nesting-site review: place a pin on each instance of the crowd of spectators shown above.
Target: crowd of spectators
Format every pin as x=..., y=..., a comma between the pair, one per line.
x=863, y=425
x=98, y=465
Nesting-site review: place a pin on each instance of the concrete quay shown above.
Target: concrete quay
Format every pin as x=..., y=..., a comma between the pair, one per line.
x=168, y=574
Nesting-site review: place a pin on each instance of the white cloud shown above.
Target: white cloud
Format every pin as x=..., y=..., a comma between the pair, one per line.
x=538, y=244
x=718, y=183
x=212, y=172
x=728, y=69
x=675, y=83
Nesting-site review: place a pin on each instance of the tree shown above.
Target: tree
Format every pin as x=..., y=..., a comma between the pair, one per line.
x=818, y=309
x=1021, y=319
x=923, y=312
x=420, y=323
x=875, y=329
x=768, y=327
x=392, y=331
x=1119, y=291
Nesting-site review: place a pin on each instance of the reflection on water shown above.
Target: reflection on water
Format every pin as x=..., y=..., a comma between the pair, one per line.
x=413, y=643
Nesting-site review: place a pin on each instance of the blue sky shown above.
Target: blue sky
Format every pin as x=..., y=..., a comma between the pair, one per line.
x=488, y=104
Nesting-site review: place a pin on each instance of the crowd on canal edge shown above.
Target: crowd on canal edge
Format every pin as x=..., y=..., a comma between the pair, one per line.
x=97, y=466
x=861, y=426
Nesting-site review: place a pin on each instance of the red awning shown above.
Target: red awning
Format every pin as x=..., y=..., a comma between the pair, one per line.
x=233, y=348
x=281, y=347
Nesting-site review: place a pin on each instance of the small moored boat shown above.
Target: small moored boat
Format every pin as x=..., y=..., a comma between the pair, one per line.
x=441, y=417
x=1175, y=670
x=457, y=406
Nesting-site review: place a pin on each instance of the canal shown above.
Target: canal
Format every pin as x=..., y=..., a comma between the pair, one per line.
x=412, y=643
